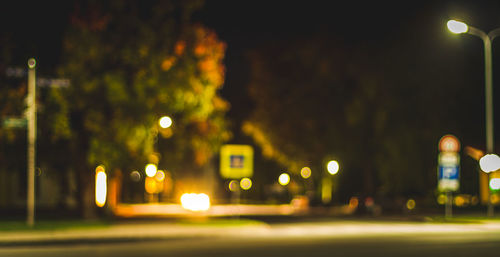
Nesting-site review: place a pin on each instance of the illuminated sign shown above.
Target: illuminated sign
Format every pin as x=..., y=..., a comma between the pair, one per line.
x=449, y=143
x=448, y=164
x=236, y=161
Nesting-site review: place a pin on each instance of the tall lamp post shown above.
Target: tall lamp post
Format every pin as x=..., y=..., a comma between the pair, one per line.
x=327, y=185
x=458, y=27
x=31, y=116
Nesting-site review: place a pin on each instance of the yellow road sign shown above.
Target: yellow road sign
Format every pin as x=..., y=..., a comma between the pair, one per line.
x=236, y=161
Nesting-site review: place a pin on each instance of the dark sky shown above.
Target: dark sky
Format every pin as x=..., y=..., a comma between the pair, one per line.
x=247, y=25
x=416, y=27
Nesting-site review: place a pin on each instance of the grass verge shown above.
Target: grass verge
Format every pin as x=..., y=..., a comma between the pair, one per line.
x=45, y=225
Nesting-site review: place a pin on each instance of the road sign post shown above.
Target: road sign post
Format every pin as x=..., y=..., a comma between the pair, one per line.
x=236, y=162
x=29, y=122
x=448, y=169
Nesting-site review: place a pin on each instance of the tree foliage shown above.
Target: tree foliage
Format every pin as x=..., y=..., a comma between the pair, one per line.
x=372, y=107
x=131, y=63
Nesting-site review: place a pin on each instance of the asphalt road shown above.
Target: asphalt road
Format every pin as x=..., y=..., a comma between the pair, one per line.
x=298, y=239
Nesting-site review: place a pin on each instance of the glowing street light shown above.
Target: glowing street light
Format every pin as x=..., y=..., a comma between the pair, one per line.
x=457, y=27
x=165, y=122
x=332, y=167
x=489, y=163
x=284, y=179
x=460, y=27
x=326, y=184
x=151, y=170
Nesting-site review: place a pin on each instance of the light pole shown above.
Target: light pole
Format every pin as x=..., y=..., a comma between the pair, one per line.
x=458, y=27
x=31, y=116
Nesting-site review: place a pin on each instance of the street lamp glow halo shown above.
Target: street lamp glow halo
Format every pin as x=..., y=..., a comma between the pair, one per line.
x=332, y=167
x=151, y=170
x=165, y=122
x=457, y=27
x=489, y=163
x=284, y=179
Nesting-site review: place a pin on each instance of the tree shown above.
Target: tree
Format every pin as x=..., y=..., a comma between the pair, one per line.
x=301, y=93
x=131, y=63
x=367, y=105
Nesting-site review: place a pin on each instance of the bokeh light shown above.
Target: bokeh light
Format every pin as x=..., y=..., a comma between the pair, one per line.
x=489, y=163
x=135, y=176
x=151, y=185
x=333, y=167
x=441, y=199
x=305, y=172
x=410, y=204
x=233, y=186
x=457, y=27
x=100, y=186
x=353, y=202
x=151, y=170
x=495, y=183
x=284, y=179
x=165, y=122
x=195, y=202
x=246, y=183
x=160, y=175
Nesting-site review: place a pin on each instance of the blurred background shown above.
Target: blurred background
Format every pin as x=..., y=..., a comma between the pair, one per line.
x=148, y=92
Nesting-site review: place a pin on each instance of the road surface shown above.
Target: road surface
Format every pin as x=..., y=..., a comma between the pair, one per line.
x=310, y=239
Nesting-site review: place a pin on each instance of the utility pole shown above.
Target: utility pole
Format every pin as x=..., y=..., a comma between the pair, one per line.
x=29, y=122
x=31, y=117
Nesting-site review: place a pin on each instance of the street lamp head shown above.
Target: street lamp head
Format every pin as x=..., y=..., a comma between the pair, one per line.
x=31, y=63
x=332, y=167
x=457, y=27
x=165, y=122
x=284, y=179
x=489, y=163
x=151, y=170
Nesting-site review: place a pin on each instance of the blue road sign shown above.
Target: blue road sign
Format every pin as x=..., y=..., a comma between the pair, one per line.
x=448, y=177
x=448, y=172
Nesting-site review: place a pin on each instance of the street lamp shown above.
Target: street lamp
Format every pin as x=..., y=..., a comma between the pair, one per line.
x=327, y=185
x=332, y=167
x=458, y=27
x=489, y=163
x=151, y=170
x=284, y=179
x=165, y=122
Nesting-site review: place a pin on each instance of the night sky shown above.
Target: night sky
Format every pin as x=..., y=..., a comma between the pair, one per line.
x=418, y=27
